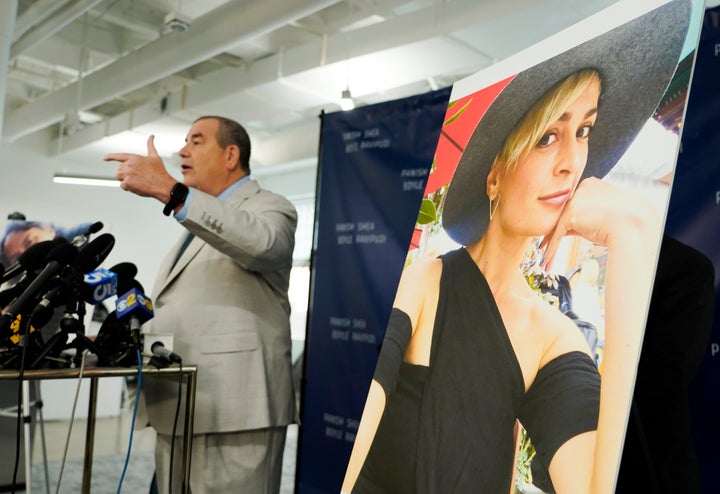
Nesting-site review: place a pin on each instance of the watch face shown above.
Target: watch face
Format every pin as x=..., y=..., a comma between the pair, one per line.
x=179, y=192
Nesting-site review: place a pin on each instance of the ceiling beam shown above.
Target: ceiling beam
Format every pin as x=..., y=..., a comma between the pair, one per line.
x=35, y=14
x=50, y=26
x=209, y=35
x=403, y=30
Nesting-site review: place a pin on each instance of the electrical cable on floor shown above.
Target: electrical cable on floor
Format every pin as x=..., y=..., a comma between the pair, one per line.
x=174, y=430
x=72, y=419
x=132, y=423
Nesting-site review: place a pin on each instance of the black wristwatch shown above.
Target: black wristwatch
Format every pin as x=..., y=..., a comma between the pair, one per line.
x=178, y=194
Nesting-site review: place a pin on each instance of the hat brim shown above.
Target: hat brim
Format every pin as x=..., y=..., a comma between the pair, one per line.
x=636, y=62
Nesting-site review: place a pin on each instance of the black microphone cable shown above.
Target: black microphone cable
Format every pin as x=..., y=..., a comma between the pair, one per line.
x=24, y=331
x=161, y=358
x=174, y=431
x=56, y=259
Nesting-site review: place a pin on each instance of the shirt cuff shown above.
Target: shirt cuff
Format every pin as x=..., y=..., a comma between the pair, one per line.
x=182, y=214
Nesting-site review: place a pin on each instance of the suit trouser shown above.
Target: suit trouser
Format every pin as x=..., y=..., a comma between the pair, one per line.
x=238, y=462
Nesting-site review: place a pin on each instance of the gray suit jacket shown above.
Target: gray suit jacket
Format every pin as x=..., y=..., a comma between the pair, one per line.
x=225, y=301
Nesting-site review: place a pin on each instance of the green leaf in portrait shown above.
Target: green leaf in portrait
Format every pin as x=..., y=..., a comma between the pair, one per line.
x=427, y=213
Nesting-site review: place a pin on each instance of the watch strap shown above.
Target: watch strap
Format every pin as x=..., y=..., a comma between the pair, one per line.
x=178, y=194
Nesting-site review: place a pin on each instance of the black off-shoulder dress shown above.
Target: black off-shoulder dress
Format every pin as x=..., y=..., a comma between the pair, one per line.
x=449, y=427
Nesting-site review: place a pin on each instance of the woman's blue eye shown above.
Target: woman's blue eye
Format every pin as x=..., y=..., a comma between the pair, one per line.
x=584, y=131
x=547, y=139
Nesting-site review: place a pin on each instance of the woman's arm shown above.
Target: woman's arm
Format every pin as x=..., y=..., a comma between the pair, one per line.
x=369, y=422
x=629, y=226
x=410, y=298
x=632, y=256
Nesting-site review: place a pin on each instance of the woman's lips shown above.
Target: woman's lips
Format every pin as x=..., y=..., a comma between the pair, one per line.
x=556, y=198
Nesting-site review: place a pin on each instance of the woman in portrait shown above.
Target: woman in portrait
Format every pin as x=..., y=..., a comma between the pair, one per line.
x=471, y=349
x=21, y=234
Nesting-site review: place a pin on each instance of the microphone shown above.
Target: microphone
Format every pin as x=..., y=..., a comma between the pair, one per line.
x=94, y=253
x=29, y=260
x=68, y=285
x=59, y=257
x=9, y=294
x=159, y=350
x=114, y=344
x=125, y=272
x=82, y=239
x=134, y=308
x=99, y=285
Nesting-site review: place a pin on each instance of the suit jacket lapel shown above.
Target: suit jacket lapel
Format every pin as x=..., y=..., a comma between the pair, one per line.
x=169, y=271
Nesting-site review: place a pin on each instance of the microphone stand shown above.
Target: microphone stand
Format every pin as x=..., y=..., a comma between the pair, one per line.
x=27, y=418
x=52, y=350
x=59, y=341
x=24, y=335
x=26, y=339
x=70, y=324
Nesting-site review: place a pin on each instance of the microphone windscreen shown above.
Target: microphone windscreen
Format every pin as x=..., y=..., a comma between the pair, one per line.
x=125, y=272
x=94, y=253
x=95, y=227
x=114, y=344
x=137, y=286
x=62, y=253
x=34, y=255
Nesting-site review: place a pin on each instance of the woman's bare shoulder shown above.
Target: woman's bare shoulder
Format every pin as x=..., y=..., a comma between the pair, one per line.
x=423, y=269
x=418, y=284
x=559, y=333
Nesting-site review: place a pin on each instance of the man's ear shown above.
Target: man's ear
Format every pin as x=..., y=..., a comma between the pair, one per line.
x=232, y=157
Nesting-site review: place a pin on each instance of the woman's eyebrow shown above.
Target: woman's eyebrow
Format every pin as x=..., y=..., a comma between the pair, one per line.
x=566, y=116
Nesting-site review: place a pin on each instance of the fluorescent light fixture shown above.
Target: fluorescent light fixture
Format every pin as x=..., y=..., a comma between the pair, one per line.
x=346, y=101
x=367, y=21
x=85, y=180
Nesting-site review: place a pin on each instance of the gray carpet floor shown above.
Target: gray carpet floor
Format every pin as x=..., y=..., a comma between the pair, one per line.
x=107, y=471
x=110, y=451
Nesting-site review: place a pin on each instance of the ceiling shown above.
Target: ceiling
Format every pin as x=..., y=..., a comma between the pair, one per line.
x=87, y=77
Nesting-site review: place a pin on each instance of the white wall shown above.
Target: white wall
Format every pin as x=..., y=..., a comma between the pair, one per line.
x=142, y=233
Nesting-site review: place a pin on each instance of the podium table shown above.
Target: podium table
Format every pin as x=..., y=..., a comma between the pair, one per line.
x=189, y=373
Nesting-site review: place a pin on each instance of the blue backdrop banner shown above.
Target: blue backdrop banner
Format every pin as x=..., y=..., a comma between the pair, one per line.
x=373, y=166
x=693, y=218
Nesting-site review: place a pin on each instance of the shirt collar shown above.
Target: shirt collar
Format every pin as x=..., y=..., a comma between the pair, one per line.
x=226, y=192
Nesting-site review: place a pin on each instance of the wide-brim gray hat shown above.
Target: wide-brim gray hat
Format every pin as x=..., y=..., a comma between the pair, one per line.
x=636, y=62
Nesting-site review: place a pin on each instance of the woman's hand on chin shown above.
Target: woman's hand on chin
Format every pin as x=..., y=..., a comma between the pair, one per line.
x=604, y=214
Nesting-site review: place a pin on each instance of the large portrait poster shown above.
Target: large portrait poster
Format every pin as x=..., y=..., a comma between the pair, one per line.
x=373, y=165
x=509, y=361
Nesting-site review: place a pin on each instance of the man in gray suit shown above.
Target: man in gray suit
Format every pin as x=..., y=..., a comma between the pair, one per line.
x=222, y=293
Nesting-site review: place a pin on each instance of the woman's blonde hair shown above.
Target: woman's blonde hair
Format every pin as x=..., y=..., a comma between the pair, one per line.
x=547, y=109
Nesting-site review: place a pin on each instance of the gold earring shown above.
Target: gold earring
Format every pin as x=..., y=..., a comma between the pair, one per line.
x=492, y=198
